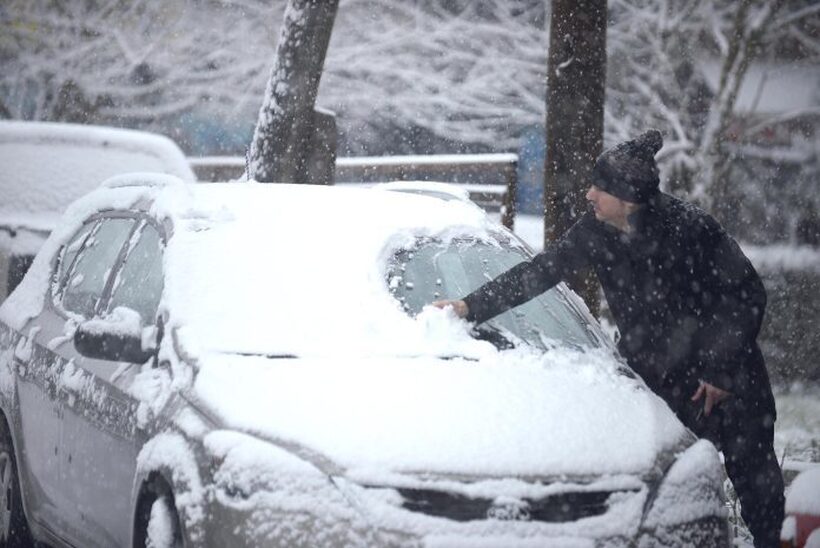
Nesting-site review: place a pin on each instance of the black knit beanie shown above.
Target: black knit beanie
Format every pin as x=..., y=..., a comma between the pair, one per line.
x=628, y=171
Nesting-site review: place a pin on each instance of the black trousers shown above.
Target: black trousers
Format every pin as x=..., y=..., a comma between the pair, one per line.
x=745, y=435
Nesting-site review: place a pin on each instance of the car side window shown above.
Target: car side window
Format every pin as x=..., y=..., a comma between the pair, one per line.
x=86, y=280
x=138, y=285
x=70, y=251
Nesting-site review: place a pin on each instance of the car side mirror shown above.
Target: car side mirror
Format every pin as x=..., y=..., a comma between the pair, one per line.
x=116, y=337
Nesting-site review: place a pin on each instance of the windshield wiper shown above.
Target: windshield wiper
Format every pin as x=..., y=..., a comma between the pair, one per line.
x=493, y=335
x=456, y=357
x=258, y=355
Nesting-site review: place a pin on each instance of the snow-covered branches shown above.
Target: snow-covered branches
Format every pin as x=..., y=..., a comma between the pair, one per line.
x=680, y=65
x=467, y=71
x=96, y=60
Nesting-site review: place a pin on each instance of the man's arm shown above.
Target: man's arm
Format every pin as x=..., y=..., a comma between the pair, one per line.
x=527, y=279
x=514, y=287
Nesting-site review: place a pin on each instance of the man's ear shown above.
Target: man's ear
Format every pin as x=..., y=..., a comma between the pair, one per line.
x=632, y=207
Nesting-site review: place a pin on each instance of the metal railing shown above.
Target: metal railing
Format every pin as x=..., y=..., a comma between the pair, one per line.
x=490, y=179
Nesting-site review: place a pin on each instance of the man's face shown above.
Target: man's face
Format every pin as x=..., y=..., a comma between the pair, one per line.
x=608, y=208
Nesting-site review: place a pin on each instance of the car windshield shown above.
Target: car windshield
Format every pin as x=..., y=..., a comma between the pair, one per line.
x=433, y=270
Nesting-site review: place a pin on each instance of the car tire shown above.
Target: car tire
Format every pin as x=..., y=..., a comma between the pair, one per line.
x=14, y=530
x=158, y=523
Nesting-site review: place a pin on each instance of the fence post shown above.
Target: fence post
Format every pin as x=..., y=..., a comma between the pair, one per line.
x=508, y=207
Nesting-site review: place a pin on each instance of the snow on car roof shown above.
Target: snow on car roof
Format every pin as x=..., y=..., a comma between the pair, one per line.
x=48, y=165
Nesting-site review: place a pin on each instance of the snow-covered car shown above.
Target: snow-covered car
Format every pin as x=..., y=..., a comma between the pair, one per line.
x=46, y=166
x=246, y=364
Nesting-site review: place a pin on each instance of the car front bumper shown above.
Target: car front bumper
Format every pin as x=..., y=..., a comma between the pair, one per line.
x=292, y=503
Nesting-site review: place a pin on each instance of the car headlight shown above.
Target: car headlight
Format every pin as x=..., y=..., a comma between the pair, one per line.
x=263, y=494
x=688, y=507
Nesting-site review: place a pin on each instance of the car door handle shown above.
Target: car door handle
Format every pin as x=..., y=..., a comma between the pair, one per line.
x=20, y=367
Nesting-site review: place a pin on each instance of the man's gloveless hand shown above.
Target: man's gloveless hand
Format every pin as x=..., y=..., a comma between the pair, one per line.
x=713, y=396
x=458, y=306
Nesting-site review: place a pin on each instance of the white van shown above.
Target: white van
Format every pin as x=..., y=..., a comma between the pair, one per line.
x=45, y=166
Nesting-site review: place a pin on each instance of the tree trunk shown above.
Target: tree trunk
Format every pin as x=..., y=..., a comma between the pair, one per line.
x=576, y=77
x=286, y=126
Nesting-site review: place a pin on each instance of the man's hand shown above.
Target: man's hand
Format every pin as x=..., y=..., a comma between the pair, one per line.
x=459, y=307
x=714, y=396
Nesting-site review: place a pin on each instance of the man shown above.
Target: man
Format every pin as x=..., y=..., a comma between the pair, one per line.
x=688, y=305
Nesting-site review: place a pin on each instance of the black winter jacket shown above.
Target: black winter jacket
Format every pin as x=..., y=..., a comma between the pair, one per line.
x=687, y=302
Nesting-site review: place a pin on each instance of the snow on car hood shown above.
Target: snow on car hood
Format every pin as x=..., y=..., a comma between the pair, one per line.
x=510, y=414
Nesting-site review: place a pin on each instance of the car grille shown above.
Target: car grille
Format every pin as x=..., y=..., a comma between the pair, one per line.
x=556, y=508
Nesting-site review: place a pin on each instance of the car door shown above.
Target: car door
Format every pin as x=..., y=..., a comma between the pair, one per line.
x=78, y=296
x=99, y=423
x=40, y=409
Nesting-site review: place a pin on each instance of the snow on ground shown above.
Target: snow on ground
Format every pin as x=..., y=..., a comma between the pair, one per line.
x=803, y=497
x=797, y=430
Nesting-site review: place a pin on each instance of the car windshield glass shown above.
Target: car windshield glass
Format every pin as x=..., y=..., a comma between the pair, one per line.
x=433, y=270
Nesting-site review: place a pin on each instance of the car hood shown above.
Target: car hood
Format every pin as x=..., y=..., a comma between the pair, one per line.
x=566, y=413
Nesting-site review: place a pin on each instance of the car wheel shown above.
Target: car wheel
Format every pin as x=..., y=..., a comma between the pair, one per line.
x=14, y=531
x=159, y=524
